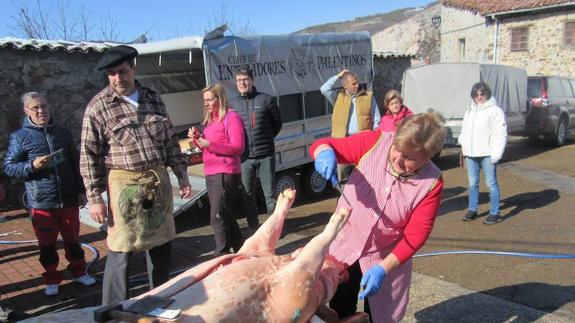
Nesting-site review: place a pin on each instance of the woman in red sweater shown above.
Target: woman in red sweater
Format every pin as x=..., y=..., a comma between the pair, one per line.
x=394, y=193
x=394, y=112
x=222, y=144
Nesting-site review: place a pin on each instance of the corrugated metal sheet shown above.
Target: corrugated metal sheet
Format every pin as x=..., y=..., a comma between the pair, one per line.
x=393, y=55
x=54, y=45
x=485, y=7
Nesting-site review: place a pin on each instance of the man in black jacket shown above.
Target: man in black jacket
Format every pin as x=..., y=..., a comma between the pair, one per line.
x=262, y=122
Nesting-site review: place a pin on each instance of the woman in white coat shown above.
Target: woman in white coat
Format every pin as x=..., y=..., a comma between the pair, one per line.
x=483, y=138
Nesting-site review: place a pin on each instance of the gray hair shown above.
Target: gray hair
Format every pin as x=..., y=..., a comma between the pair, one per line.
x=31, y=95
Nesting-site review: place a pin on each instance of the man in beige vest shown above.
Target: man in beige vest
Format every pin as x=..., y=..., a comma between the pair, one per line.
x=354, y=109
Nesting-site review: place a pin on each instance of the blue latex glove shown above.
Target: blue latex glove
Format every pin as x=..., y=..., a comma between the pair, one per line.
x=326, y=165
x=371, y=281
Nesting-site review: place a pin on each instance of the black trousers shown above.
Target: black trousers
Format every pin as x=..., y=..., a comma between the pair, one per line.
x=225, y=193
x=344, y=302
x=115, y=284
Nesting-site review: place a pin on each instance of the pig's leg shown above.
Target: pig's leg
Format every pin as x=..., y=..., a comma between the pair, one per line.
x=264, y=240
x=311, y=257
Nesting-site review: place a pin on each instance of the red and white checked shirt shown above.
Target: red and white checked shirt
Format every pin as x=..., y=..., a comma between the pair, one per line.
x=388, y=214
x=117, y=135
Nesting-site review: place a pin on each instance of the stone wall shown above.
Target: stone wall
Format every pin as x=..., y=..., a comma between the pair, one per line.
x=458, y=25
x=388, y=74
x=546, y=52
x=67, y=79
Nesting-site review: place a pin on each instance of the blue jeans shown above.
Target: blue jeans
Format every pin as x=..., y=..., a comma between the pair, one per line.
x=474, y=165
x=264, y=169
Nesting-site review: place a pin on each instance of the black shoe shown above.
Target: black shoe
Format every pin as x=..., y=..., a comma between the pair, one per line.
x=492, y=219
x=470, y=215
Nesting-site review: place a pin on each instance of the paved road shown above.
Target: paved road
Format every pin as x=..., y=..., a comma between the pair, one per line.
x=537, y=204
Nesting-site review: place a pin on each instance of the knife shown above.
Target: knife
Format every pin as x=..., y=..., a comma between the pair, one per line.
x=339, y=188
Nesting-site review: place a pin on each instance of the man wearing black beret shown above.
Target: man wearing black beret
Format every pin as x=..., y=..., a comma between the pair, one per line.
x=127, y=142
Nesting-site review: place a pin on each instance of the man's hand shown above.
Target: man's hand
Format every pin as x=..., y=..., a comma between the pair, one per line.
x=185, y=188
x=99, y=212
x=340, y=74
x=326, y=164
x=40, y=162
x=371, y=281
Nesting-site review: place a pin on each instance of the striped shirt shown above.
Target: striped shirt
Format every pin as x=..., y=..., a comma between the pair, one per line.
x=117, y=135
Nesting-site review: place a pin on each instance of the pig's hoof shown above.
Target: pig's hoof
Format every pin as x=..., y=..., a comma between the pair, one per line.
x=338, y=219
x=285, y=200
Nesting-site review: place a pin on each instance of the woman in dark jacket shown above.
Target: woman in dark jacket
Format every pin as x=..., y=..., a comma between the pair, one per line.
x=45, y=156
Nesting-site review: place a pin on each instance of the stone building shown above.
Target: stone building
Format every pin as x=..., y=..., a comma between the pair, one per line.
x=538, y=36
x=62, y=71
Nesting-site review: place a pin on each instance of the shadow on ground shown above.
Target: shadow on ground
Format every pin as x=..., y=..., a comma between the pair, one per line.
x=477, y=307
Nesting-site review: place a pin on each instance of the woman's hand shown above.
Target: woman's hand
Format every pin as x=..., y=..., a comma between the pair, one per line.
x=371, y=281
x=201, y=143
x=194, y=133
x=326, y=165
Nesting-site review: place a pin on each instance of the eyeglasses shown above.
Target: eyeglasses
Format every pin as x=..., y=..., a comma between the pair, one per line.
x=478, y=94
x=37, y=108
x=246, y=80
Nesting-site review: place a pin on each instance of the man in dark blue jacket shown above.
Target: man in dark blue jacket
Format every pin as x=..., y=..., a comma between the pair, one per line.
x=262, y=122
x=45, y=156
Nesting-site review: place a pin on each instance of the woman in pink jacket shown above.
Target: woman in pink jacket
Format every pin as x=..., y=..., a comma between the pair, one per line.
x=394, y=112
x=222, y=144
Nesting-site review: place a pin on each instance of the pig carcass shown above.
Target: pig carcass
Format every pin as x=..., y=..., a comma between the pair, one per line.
x=255, y=285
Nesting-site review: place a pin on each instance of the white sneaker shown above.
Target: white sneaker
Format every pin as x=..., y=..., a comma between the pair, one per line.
x=85, y=280
x=51, y=290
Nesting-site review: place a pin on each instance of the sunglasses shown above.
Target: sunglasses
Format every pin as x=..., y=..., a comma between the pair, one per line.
x=478, y=94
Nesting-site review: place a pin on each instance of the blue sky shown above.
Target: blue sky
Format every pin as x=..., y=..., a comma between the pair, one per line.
x=176, y=18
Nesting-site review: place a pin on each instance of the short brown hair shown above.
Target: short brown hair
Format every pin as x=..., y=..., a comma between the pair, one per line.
x=390, y=96
x=424, y=132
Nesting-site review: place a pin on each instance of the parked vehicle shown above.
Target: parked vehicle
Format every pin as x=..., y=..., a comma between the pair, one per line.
x=552, y=108
x=446, y=88
x=290, y=67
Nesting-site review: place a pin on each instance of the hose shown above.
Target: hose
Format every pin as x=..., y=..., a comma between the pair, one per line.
x=95, y=252
x=96, y=256
x=497, y=253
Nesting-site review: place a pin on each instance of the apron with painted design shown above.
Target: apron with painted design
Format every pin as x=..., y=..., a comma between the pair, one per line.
x=141, y=206
x=382, y=205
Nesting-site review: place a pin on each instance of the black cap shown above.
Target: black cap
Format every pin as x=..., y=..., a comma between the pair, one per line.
x=115, y=56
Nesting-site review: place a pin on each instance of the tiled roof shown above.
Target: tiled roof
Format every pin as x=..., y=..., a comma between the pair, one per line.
x=485, y=7
x=53, y=45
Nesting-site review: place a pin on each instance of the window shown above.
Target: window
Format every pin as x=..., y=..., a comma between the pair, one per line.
x=519, y=38
x=291, y=107
x=567, y=87
x=570, y=33
x=314, y=104
x=462, y=49
x=554, y=88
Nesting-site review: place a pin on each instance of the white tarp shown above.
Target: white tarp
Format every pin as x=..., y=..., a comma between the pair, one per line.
x=288, y=64
x=446, y=88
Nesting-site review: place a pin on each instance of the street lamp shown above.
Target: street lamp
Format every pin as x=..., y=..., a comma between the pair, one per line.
x=436, y=21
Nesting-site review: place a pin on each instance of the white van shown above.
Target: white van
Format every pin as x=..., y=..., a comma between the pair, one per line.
x=446, y=88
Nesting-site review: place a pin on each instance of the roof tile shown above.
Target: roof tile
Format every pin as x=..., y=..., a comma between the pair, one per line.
x=485, y=7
